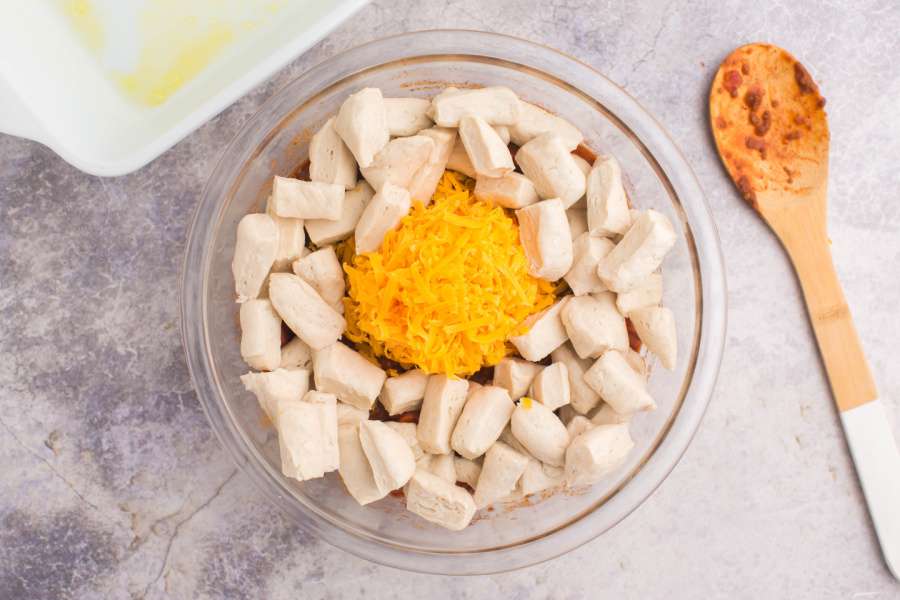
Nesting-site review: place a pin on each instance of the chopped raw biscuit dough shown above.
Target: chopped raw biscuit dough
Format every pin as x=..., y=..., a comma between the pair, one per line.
x=468, y=235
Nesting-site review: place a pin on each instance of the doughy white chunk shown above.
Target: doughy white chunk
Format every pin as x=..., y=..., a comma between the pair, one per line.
x=404, y=392
x=594, y=324
x=548, y=164
x=389, y=455
x=304, y=311
x=578, y=425
x=398, y=162
x=551, y=386
x=545, y=333
x=274, y=389
x=500, y=472
x=296, y=354
x=607, y=206
x=362, y=124
x=510, y=440
x=587, y=252
x=307, y=436
x=260, y=335
x=618, y=384
x=296, y=199
x=577, y=221
x=583, y=165
x=382, y=214
x=439, y=502
x=324, y=231
x=408, y=432
x=254, y=252
x=330, y=161
x=639, y=253
x=459, y=161
x=513, y=190
x=291, y=240
x=503, y=132
x=441, y=407
x=636, y=362
x=407, y=116
x=425, y=181
x=348, y=414
x=647, y=293
x=540, y=431
x=483, y=418
x=546, y=239
x=443, y=466
x=467, y=471
x=489, y=155
x=596, y=453
x=291, y=244
x=534, y=121
x=497, y=105
x=655, y=325
x=354, y=466
x=322, y=270
x=515, y=376
x=538, y=477
x=582, y=396
x=348, y=374
x=605, y=415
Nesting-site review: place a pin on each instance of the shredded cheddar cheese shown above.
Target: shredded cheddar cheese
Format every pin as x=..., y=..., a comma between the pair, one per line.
x=447, y=288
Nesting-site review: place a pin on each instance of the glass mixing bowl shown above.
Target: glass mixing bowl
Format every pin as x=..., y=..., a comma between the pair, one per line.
x=275, y=142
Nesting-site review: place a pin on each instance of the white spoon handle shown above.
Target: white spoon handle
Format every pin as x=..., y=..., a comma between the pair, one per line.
x=878, y=468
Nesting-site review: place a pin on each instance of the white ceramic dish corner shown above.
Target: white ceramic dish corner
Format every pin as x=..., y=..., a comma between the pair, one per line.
x=54, y=91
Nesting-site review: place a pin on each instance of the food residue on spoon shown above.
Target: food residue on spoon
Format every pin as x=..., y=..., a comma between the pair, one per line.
x=767, y=115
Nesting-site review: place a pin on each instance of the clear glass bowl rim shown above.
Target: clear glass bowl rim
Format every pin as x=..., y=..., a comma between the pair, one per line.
x=660, y=148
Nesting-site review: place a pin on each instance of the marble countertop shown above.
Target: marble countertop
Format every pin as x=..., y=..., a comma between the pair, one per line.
x=112, y=485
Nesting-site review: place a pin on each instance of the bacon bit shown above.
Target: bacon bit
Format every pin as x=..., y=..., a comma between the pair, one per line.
x=732, y=81
x=753, y=98
x=761, y=124
x=582, y=151
x=746, y=190
x=634, y=340
x=789, y=173
x=775, y=103
x=792, y=135
x=408, y=417
x=745, y=69
x=800, y=119
x=398, y=493
x=804, y=80
x=302, y=171
x=721, y=123
x=821, y=102
x=754, y=143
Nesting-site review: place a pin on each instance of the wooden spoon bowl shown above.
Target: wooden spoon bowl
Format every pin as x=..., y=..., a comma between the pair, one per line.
x=770, y=126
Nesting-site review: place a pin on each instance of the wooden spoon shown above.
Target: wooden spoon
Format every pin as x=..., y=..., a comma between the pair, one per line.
x=771, y=131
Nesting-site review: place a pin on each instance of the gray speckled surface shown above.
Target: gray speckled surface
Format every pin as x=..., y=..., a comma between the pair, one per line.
x=112, y=485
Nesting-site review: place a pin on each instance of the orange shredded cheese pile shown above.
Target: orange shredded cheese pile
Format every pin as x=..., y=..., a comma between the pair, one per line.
x=447, y=288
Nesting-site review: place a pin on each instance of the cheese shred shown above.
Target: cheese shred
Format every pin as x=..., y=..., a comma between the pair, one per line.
x=447, y=288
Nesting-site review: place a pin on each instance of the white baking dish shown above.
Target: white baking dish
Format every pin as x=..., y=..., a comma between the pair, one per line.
x=54, y=89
